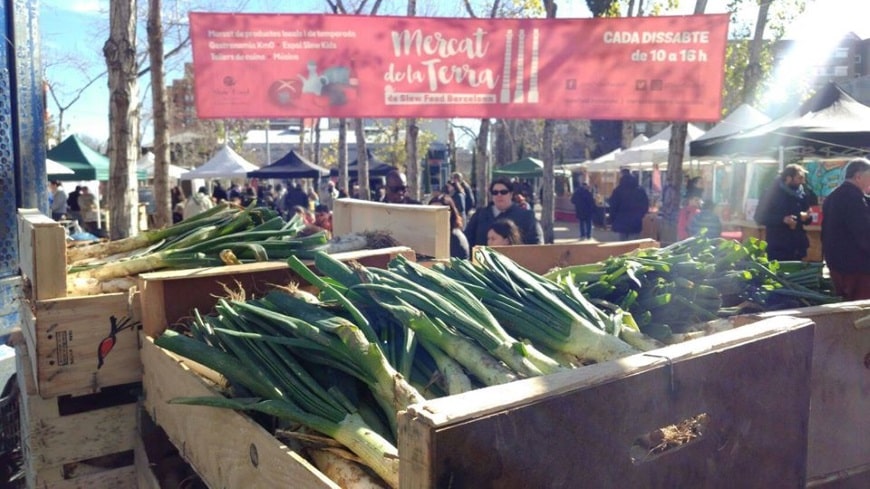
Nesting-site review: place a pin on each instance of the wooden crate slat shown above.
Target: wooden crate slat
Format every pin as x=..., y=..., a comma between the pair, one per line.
x=543, y=258
x=581, y=425
x=57, y=448
x=425, y=229
x=840, y=385
x=65, y=337
x=225, y=448
x=117, y=478
x=42, y=254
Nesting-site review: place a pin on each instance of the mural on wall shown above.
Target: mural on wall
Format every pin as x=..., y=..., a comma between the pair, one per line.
x=824, y=176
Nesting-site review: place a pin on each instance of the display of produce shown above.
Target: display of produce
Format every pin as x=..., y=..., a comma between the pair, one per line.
x=338, y=363
x=226, y=234
x=676, y=288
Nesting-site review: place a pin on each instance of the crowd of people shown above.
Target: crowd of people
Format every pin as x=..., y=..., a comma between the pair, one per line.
x=79, y=206
x=508, y=219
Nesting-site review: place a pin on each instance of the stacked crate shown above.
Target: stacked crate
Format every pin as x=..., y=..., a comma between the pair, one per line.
x=79, y=371
x=602, y=415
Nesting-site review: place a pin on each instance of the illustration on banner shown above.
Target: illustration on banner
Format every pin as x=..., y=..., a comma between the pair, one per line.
x=333, y=87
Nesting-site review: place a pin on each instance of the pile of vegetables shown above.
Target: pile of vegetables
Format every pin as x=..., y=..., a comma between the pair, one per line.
x=674, y=289
x=374, y=341
x=343, y=363
x=225, y=234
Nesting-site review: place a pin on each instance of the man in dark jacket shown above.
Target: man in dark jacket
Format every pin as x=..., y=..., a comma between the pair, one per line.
x=295, y=197
x=503, y=207
x=846, y=232
x=782, y=210
x=72, y=203
x=629, y=204
x=584, y=209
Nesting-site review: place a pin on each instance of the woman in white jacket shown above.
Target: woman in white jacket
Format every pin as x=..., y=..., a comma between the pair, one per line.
x=198, y=202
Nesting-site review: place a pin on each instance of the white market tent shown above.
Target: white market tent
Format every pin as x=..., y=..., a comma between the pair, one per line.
x=225, y=163
x=146, y=165
x=54, y=168
x=609, y=161
x=655, y=150
x=743, y=117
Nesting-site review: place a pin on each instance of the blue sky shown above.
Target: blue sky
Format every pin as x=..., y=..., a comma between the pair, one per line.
x=73, y=33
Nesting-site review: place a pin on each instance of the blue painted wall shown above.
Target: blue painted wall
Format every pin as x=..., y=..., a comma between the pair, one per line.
x=22, y=148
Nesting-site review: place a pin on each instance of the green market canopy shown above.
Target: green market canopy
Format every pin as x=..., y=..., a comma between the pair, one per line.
x=85, y=163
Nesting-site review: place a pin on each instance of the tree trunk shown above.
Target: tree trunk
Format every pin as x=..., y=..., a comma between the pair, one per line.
x=362, y=159
x=674, y=185
x=163, y=214
x=481, y=171
x=752, y=75
x=343, y=178
x=504, y=151
x=412, y=164
x=548, y=198
x=120, y=54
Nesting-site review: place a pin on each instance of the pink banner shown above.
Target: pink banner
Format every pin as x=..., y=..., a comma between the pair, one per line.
x=288, y=65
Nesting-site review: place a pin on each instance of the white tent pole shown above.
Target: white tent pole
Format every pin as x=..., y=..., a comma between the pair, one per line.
x=781, y=159
x=268, y=148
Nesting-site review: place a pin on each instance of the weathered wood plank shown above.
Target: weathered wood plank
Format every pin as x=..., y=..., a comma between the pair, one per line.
x=580, y=427
x=225, y=448
x=840, y=385
x=42, y=254
x=80, y=345
x=423, y=228
x=543, y=258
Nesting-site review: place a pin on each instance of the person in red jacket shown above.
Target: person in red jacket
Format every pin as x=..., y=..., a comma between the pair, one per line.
x=687, y=213
x=846, y=232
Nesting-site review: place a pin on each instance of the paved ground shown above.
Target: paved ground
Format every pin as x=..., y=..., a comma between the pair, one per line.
x=567, y=232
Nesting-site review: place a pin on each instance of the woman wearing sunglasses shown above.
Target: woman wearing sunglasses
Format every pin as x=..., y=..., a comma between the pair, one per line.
x=502, y=206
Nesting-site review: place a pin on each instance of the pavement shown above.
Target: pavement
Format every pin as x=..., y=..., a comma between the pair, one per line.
x=568, y=232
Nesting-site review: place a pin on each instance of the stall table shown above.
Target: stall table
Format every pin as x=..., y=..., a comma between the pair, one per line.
x=751, y=229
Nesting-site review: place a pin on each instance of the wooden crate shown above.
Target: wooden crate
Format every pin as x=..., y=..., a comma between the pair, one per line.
x=83, y=442
x=42, y=254
x=226, y=448
x=158, y=463
x=582, y=428
x=423, y=228
x=755, y=436
x=543, y=258
x=170, y=296
x=80, y=345
x=838, y=454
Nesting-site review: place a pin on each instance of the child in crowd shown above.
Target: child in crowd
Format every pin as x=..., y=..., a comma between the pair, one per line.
x=503, y=232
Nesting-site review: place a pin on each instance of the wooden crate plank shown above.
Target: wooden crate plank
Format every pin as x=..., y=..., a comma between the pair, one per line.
x=227, y=449
x=558, y=430
x=70, y=339
x=425, y=229
x=42, y=254
x=81, y=436
x=51, y=439
x=167, y=297
x=117, y=478
x=840, y=385
x=543, y=258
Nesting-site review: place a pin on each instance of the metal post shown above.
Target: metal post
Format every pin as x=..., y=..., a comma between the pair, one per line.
x=268, y=148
